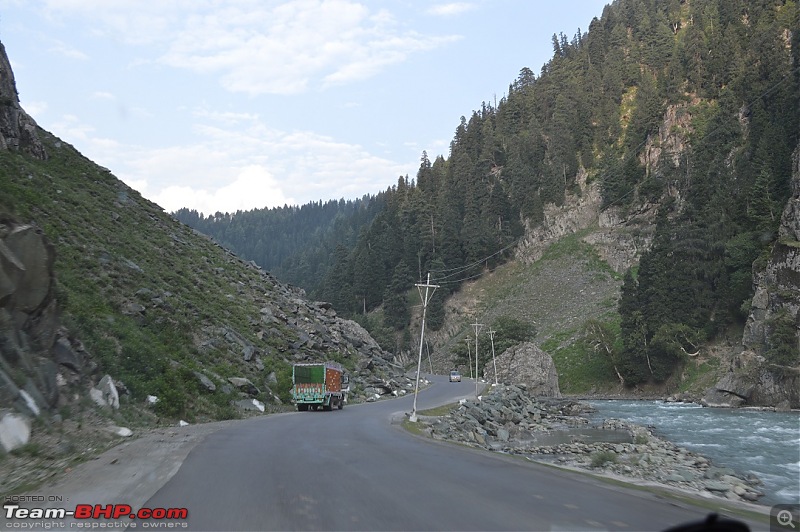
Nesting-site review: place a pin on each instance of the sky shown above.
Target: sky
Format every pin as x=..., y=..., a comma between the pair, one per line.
x=226, y=105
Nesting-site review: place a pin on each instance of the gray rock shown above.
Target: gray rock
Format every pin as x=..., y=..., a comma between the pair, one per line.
x=33, y=392
x=15, y=431
x=248, y=351
x=752, y=496
x=687, y=475
x=777, y=292
x=205, y=381
x=17, y=128
x=65, y=356
x=253, y=405
x=528, y=365
x=105, y=393
x=132, y=309
x=47, y=383
x=714, y=472
x=9, y=392
x=714, y=485
x=244, y=385
x=36, y=256
x=122, y=432
x=27, y=404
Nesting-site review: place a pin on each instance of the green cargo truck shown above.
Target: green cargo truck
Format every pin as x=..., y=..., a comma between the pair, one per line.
x=321, y=385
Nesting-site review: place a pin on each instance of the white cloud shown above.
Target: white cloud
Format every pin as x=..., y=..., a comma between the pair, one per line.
x=253, y=185
x=238, y=162
x=62, y=48
x=453, y=8
x=102, y=95
x=126, y=20
x=257, y=47
x=72, y=128
x=225, y=117
x=34, y=109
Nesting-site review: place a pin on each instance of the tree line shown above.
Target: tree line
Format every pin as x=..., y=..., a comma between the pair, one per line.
x=731, y=66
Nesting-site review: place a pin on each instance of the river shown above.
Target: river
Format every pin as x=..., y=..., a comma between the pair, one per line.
x=766, y=444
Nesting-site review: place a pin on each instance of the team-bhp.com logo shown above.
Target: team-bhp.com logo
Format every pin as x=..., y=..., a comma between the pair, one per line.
x=96, y=512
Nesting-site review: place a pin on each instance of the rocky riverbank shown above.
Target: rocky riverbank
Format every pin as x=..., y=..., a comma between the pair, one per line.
x=507, y=419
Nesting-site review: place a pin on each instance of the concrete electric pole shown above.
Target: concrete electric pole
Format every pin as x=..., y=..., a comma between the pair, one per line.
x=494, y=361
x=477, y=326
x=425, y=299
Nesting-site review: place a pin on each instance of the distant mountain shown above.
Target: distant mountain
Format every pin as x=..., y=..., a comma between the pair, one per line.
x=680, y=115
x=294, y=243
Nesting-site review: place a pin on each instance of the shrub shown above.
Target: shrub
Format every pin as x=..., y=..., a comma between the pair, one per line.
x=601, y=458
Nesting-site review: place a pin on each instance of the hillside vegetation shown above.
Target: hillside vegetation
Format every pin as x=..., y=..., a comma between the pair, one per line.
x=686, y=110
x=142, y=303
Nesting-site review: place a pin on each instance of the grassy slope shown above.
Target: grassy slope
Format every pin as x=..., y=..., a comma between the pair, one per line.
x=116, y=250
x=569, y=285
x=557, y=294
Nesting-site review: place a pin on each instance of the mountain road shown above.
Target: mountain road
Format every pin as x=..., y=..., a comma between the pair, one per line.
x=355, y=469
x=350, y=469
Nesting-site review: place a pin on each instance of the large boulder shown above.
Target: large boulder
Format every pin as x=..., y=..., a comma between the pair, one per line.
x=15, y=431
x=527, y=364
x=105, y=393
x=751, y=381
x=25, y=248
x=244, y=385
x=28, y=318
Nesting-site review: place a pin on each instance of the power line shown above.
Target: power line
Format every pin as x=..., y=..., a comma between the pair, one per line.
x=459, y=281
x=460, y=269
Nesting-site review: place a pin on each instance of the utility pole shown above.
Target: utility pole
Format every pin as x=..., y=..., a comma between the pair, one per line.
x=428, y=350
x=469, y=355
x=425, y=299
x=494, y=361
x=477, y=326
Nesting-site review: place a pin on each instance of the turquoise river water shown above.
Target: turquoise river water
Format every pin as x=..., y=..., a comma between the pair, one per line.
x=764, y=443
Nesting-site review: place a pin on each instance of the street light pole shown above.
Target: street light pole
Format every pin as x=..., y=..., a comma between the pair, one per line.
x=425, y=299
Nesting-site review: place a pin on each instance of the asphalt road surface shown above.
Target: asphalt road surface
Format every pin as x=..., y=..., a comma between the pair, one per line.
x=356, y=469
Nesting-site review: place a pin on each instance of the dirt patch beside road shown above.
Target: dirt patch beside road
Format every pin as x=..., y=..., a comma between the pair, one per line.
x=129, y=473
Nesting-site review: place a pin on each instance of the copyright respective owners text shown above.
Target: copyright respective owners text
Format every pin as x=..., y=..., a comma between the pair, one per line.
x=784, y=517
x=34, y=512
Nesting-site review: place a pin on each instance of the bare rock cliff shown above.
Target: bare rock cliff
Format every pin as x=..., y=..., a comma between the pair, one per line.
x=753, y=379
x=17, y=128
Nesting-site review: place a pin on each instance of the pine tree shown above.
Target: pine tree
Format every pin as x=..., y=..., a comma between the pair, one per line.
x=395, y=305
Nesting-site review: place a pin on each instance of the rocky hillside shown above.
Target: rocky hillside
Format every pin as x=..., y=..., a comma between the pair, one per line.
x=566, y=271
x=766, y=369
x=115, y=317
x=17, y=128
